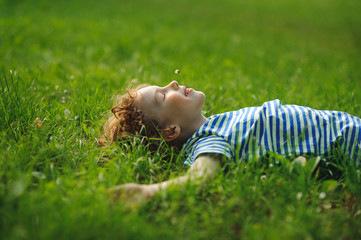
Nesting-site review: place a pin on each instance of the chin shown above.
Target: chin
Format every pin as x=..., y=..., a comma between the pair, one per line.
x=202, y=98
x=199, y=93
x=203, y=95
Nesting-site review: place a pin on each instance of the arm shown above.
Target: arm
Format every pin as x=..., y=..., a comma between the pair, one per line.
x=204, y=168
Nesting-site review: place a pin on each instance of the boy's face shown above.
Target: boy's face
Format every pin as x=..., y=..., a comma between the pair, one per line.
x=172, y=104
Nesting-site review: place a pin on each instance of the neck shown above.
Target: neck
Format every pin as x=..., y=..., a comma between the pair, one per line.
x=190, y=129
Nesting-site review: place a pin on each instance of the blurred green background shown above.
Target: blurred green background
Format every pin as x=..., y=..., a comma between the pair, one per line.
x=284, y=49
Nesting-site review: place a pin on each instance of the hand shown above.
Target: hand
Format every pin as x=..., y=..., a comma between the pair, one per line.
x=133, y=191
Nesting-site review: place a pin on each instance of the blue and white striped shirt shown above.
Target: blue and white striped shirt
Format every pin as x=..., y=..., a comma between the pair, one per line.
x=288, y=130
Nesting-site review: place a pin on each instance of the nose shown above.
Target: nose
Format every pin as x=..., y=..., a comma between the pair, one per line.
x=174, y=84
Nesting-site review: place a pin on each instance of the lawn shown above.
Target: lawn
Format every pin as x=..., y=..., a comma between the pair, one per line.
x=62, y=61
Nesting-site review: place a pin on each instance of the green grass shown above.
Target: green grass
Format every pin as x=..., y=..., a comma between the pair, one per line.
x=64, y=60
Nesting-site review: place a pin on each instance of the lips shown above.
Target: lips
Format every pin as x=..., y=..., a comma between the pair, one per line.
x=187, y=91
x=190, y=90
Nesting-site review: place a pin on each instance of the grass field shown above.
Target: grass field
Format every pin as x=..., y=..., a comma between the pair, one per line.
x=62, y=61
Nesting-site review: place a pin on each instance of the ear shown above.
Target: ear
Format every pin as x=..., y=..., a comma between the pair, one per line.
x=170, y=133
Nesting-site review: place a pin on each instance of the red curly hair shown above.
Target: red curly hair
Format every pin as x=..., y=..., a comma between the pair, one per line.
x=128, y=121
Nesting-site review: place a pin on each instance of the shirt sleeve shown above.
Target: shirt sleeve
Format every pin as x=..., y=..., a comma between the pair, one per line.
x=209, y=144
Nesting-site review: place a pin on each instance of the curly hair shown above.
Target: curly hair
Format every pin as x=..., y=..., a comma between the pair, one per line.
x=128, y=121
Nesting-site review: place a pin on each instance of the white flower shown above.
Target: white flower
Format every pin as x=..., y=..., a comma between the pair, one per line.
x=327, y=206
x=100, y=176
x=322, y=195
x=66, y=112
x=58, y=181
x=177, y=71
x=299, y=195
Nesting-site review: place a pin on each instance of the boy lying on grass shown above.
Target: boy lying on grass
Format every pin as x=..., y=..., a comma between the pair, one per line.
x=174, y=113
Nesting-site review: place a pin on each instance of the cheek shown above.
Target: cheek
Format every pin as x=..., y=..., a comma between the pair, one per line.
x=177, y=106
x=176, y=100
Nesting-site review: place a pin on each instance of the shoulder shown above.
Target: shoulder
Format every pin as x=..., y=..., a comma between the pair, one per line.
x=271, y=105
x=211, y=144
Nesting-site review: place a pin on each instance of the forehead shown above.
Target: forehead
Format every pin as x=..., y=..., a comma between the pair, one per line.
x=145, y=99
x=147, y=90
x=146, y=94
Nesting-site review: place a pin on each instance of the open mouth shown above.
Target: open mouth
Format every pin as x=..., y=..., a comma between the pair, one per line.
x=187, y=91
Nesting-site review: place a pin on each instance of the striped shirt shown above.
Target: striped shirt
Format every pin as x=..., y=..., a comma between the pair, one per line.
x=288, y=130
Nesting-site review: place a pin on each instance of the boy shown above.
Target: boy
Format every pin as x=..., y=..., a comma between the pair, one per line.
x=174, y=113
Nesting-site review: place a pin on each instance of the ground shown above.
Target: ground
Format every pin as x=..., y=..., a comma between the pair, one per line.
x=61, y=63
